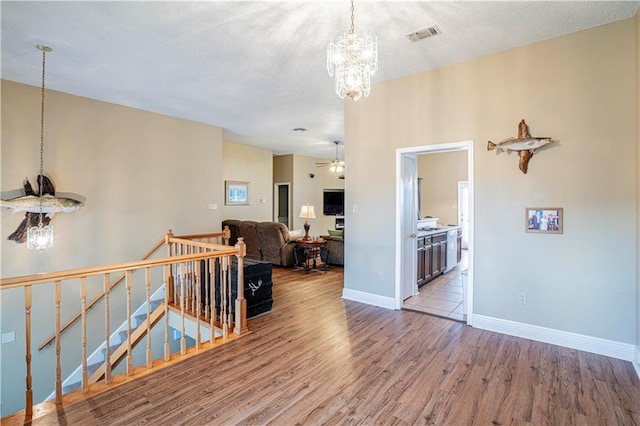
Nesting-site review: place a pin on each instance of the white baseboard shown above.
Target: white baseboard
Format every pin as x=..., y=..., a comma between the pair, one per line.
x=369, y=298
x=624, y=351
x=636, y=360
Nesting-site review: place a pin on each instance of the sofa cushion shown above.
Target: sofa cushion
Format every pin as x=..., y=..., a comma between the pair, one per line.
x=250, y=235
x=334, y=232
x=335, y=250
x=275, y=243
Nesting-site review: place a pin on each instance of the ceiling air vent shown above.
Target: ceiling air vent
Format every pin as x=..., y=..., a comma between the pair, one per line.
x=431, y=31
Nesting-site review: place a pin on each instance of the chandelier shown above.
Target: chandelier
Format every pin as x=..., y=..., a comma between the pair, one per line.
x=41, y=237
x=353, y=59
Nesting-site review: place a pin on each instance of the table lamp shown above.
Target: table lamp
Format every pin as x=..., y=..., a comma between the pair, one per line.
x=307, y=212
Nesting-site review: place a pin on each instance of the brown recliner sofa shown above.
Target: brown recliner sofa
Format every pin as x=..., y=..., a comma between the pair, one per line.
x=275, y=243
x=265, y=241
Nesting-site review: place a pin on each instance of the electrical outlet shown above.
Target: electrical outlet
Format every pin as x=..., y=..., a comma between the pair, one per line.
x=522, y=298
x=8, y=337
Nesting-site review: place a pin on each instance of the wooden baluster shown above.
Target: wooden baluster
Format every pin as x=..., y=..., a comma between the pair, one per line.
x=107, y=354
x=168, y=284
x=223, y=292
x=197, y=301
x=129, y=348
x=85, y=373
x=226, y=235
x=229, y=293
x=28, y=412
x=168, y=279
x=192, y=275
x=207, y=284
x=212, y=297
x=147, y=278
x=58, y=298
x=241, y=302
x=195, y=291
x=183, y=339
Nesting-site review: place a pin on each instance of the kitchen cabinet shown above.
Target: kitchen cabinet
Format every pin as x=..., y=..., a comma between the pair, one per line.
x=432, y=257
x=439, y=253
x=424, y=260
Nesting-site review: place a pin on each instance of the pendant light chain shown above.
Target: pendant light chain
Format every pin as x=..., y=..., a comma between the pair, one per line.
x=352, y=29
x=41, y=183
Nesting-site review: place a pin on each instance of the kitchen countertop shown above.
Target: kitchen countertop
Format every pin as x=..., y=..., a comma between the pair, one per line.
x=439, y=230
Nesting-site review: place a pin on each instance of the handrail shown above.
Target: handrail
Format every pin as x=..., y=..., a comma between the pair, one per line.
x=186, y=260
x=70, y=274
x=224, y=234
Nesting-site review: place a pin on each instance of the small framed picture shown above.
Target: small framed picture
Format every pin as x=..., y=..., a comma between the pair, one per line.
x=544, y=220
x=236, y=193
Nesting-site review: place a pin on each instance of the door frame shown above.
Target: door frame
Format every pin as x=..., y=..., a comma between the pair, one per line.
x=400, y=206
x=461, y=185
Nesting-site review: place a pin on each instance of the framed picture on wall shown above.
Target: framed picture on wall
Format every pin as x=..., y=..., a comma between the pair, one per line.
x=236, y=193
x=544, y=220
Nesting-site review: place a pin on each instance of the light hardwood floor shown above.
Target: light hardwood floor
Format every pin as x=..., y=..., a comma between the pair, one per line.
x=317, y=359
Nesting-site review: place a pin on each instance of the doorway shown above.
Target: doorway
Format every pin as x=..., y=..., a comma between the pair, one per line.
x=281, y=196
x=406, y=224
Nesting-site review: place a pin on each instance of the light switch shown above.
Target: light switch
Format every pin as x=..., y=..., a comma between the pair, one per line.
x=213, y=207
x=355, y=208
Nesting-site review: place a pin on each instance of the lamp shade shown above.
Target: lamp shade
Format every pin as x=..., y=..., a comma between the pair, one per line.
x=307, y=212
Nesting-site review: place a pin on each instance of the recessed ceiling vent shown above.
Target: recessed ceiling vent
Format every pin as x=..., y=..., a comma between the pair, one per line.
x=431, y=31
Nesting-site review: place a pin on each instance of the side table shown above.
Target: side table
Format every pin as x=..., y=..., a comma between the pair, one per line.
x=307, y=251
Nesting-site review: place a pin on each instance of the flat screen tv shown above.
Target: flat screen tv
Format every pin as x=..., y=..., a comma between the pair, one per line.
x=333, y=202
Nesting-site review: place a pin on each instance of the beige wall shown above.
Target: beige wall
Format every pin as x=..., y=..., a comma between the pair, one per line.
x=440, y=173
x=579, y=89
x=253, y=165
x=637, y=357
x=141, y=174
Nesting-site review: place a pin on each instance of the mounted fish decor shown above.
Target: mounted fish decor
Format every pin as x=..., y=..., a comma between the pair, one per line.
x=524, y=144
x=47, y=204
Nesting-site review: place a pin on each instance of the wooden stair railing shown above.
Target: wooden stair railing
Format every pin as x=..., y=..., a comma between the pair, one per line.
x=225, y=235
x=121, y=351
x=184, y=257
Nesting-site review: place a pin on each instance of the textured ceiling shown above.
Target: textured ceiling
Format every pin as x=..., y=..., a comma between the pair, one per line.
x=258, y=69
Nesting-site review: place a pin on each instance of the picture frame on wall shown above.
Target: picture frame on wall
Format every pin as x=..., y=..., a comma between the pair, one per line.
x=543, y=220
x=236, y=193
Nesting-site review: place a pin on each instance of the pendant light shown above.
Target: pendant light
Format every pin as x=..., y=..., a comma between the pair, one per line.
x=41, y=237
x=353, y=58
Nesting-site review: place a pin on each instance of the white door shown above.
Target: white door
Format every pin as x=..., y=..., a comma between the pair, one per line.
x=463, y=212
x=409, y=201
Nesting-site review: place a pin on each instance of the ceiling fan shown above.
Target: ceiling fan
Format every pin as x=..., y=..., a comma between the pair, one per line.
x=335, y=166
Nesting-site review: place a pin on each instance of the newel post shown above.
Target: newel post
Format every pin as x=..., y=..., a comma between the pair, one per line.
x=241, y=303
x=226, y=235
x=168, y=291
